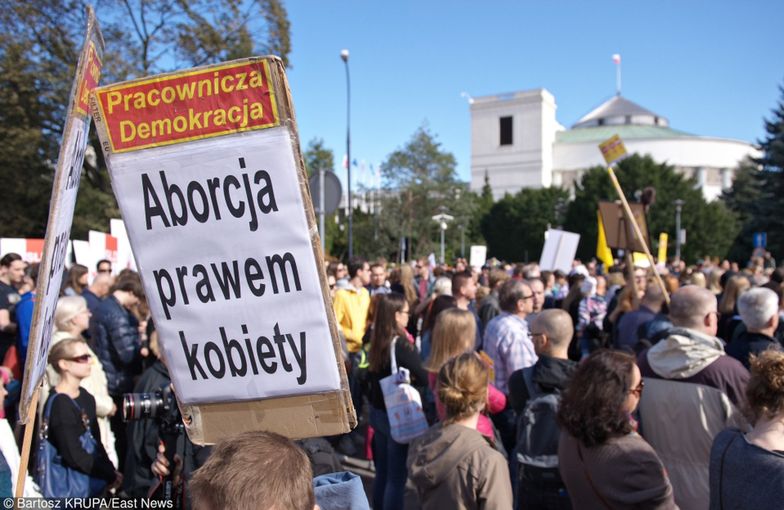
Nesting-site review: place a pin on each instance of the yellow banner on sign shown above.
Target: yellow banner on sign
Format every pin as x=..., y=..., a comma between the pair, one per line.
x=613, y=150
x=663, y=247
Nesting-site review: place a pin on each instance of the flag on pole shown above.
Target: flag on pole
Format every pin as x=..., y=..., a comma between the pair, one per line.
x=603, y=251
x=616, y=58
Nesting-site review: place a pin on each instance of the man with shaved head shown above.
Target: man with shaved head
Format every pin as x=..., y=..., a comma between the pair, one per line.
x=693, y=391
x=534, y=394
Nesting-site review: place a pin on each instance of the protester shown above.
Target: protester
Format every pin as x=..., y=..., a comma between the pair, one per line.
x=759, y=310
x=602, y=460
x=389, y=456
x=378, y=280
x=464, y=292
x=747, y=470
x=437, y=306
x=104, y=266
x=70, y=409
x=12, y=269
x=254, y=470
x=507, y=340
x=76, y=280
x=728, y=306
x=508, y=344
x=537, y=288
x=23, y=311
x=688, y=375
x=424, y=281
x=534, y=394
x=351, y=304
x=115, y=337
x=591, y=313
x=453, y=335
x=629, y=324
x=453, y=465
x=97, y=290
x=489, y=307
x=71, y=320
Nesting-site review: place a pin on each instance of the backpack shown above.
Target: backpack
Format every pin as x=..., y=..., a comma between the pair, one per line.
x=537, y=427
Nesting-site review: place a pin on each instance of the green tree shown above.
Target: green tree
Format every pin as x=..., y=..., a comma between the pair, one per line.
x=711, y=227
x=743, y=198
x=39, y=48
x=420, y=181
x=771, y=200
x=515, y=225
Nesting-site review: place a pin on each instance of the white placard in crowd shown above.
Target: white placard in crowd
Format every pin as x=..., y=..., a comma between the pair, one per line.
x=559, y=250
x=220, y=235
x=64, y=189
x=125, y=258
x=478, y=256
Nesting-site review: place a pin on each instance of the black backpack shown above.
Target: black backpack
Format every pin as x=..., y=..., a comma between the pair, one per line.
x=537, y=426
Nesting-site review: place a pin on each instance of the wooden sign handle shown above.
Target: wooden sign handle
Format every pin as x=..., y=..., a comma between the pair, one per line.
x=27, y=443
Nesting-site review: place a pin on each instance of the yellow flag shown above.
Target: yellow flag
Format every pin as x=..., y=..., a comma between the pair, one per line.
x=603, y=251
x=663, y=248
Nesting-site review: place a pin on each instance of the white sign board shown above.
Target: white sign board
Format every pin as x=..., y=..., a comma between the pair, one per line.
x=219, y=231
x=559, y=250
x=125, y=258
x=478, y=256
x=64, y=189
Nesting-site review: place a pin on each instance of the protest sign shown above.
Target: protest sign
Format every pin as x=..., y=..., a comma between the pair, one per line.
x=208, y=174
x=64, y=189
x=125, y=258
x=31, y=250
x=618, y=230
x=478, y=256
x=613, y=150
x=559, y=250
x=663, y=238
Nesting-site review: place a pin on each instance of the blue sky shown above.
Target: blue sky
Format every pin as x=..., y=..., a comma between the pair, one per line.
x=712, y=67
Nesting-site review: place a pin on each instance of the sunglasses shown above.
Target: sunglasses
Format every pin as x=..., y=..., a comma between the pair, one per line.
x=638, y=390
x=84, y=358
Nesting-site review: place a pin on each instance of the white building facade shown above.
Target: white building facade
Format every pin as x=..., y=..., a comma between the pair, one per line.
x=518, y=143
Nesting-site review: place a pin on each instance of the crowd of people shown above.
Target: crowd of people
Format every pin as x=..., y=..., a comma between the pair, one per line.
x=593, y=388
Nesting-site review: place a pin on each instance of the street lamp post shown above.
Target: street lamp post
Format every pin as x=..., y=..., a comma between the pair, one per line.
x=442, y=219
x=678, y=206
x=344, y=57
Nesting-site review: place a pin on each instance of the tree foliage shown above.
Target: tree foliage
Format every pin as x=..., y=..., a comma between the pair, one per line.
x=711, y=227
x=39, y=46
x=514, y=226
x=420, y=181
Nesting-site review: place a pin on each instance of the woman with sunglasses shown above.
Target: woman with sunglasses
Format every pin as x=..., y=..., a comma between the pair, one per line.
x=603, y=462
x=71, y=320
x=389, y=456
x=70, y=412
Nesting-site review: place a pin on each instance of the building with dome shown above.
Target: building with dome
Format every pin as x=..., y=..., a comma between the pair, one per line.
x=518, y=143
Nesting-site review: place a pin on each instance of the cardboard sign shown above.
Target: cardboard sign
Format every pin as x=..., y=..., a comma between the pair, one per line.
x=619, y=232
x=58, y=230
x=613, y=150
x=663, y=238
x=478, y=256
x=559, y=250
x=125, y=258
x=208, y=174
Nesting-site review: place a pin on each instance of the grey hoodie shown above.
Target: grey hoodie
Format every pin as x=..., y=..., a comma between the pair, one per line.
x=455, y=467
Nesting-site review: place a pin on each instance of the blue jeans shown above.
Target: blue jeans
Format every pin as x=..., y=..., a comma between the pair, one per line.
x=389, y=457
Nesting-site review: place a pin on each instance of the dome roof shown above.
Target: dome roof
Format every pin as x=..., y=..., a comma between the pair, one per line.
x=620, y=111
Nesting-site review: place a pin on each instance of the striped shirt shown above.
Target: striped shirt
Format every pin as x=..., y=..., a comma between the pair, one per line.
x=508, y=343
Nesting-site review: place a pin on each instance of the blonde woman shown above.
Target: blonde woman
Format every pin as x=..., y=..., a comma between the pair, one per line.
x=71, y=319
x=452, y=465
x=69, y=411
x=453, y=335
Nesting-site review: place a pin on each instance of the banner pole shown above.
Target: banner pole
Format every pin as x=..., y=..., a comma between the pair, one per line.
x=628, y=211
x=26, y=444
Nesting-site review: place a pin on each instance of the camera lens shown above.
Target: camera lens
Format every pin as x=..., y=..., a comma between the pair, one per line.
x=137, y=406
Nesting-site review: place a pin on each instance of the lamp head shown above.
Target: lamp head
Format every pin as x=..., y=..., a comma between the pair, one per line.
x=344, y=55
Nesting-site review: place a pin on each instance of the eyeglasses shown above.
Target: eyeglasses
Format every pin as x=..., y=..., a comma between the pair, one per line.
x=104, y=270
x=529, y=296
x=638, y=390
x=84, y=358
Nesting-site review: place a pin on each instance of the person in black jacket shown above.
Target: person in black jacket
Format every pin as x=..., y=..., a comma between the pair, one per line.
x=116, y=341
x=551, y=333
x=759, y=310
x=72, y=410
x=389, y=455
